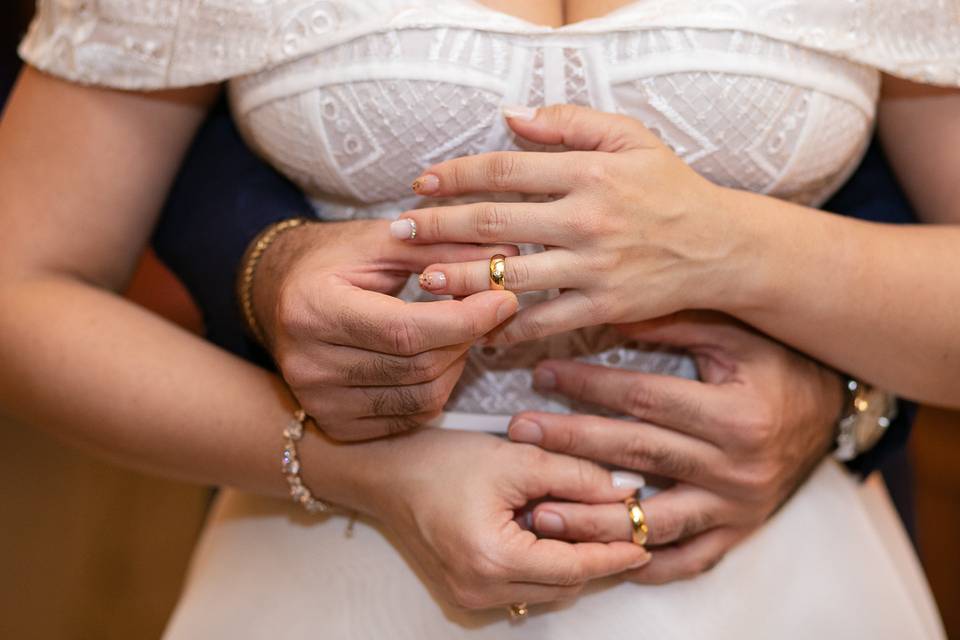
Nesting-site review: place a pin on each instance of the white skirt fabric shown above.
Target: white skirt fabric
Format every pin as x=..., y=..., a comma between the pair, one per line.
x=835, y=562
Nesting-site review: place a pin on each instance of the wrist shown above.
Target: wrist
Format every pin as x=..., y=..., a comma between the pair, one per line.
x=355, y=476
x=737, y=275
x=268, y=274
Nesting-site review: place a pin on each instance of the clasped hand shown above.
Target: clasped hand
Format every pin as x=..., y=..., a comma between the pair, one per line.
x=633, y=232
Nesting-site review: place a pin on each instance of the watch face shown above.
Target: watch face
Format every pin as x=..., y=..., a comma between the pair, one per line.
x=875, y=410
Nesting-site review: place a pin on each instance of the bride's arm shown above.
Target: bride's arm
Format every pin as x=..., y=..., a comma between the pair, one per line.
x=637, y=234
x=82, y=174
x=879, y=301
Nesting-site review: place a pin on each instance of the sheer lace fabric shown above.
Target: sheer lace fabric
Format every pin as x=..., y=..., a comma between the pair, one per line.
x=352, y=100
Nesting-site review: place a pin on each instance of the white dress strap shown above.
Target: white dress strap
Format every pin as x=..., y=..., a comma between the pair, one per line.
x=154, y=44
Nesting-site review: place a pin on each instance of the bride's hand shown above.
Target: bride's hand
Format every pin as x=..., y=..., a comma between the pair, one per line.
x=361, y=362
x=738, y=443
x=634, y=233
x=451, y=498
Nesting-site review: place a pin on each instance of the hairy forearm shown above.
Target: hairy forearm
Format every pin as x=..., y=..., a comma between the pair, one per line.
x=102, y=373
x=877, y=301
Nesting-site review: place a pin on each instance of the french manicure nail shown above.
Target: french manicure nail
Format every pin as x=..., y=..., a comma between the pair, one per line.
x=525, y=431
x=519, y=112
x=544, y=379
x=405, y=229
x=433, y=280
x=642, y=561
x=549, y=523
x=627, y=480
x=425, y=185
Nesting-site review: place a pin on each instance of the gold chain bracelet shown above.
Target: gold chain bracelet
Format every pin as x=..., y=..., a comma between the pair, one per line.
x=249, y=267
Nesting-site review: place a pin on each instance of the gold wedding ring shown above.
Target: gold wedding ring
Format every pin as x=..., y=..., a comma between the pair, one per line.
x=638, y=521
x=518, y=610
x=498, y=271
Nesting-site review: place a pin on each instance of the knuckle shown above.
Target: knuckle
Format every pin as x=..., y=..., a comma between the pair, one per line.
x=759, y=429
x=338, y=430
x=641, y=455
x=487, y=563
x=406, y=339
x=580, y=223
x=297, y=370
x=569, y=577
x=490, y=221
x=465, y=597
x=500, y=170
x=527, y=329
x=395, y=425
x=640, y=400
x=701, y=565
x=600, y=307
x=425, y=367
x=596, y=174
x=691, y=525
x=564, y=439
x=760, y=481
x=518, y=275
x=530, y=456
x=435, y=397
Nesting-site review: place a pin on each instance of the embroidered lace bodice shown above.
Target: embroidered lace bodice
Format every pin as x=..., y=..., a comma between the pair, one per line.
x=352, y=99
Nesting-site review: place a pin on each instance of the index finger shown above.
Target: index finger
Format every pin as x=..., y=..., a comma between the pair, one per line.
x=562, y=563
x=688, y=406
x=503, y=171
x=382, y=323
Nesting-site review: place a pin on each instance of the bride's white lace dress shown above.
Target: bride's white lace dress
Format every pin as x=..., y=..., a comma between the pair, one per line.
x=352, y=99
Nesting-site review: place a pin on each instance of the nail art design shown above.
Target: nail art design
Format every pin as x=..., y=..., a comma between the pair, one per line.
x=433, y=280
x=425, y=185
x=405, y=229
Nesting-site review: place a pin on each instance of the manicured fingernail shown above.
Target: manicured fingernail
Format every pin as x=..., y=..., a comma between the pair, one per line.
x=405, y=229
x=525, y=431
x=433, y=280
x=519, y=112
x=549, y=523
x=425, y=185
x=647, y=557
x=506, y=309
x=627, y=480
x=544, y=379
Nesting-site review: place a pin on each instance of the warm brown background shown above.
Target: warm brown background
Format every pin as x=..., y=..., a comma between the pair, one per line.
x=93, y=551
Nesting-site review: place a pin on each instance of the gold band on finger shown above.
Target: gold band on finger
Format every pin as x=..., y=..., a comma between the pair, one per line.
x=518, y=610
x=638, y=521
x=498, y=271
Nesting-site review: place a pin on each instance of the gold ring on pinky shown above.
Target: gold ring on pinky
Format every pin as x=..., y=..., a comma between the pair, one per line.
x=638, y=522
x=518, y=610
x=498, y=271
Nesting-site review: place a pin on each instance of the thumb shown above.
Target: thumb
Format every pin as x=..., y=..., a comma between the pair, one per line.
x=580, y=128
x=385, y=324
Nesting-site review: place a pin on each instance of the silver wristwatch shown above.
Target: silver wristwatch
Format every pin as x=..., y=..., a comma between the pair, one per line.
x=866, y=418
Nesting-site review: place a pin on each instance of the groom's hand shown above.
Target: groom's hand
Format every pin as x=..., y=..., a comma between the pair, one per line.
x=361, y=362
x=738, y=443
